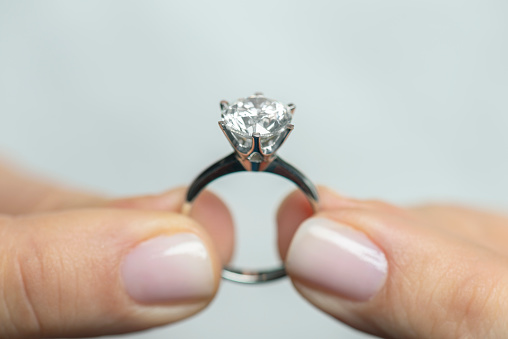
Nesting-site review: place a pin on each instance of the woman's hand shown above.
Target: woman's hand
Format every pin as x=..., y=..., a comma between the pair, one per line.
x=75, y=264
x=72, y=263
x=427, y=272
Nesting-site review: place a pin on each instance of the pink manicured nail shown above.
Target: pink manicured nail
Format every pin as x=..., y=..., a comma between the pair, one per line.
x=169, y=268
x=337, y=258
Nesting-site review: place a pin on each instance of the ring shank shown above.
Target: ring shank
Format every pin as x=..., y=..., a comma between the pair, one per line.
x=229, y=165
x=252, y=277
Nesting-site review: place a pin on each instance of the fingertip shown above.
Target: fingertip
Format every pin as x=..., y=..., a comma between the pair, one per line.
x=211, y=212
x=208, y=210
x=375, y=267
x=125, y=270
x=324, y=249
x=295, y=208
x=179, y=260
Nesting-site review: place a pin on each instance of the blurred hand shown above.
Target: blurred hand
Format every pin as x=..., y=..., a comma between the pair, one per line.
x=75, y=264
x=427, y=272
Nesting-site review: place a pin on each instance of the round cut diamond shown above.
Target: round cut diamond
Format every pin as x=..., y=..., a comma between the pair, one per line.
x=257, y=114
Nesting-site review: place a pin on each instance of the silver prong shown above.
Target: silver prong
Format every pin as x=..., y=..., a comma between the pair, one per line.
x=224, y=105
x=222, y=126
x=287, y=132
x=292, y=108
x=258, y=93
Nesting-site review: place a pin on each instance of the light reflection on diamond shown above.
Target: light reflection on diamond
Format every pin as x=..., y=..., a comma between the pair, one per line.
x=257, y=114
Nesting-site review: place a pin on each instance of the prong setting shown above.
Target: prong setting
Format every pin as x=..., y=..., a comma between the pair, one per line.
x=256, y=127
x=227, y=133
x=292, y=108
x=224, y=105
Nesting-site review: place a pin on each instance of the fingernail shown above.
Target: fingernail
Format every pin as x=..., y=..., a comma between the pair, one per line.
x=168, y=269
x=337, y=258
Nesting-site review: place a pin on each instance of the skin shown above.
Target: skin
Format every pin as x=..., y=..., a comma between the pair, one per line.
x=61, y=252
x=447, y=268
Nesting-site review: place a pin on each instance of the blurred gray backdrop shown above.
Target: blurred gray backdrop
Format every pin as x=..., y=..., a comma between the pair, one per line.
x=399, y=100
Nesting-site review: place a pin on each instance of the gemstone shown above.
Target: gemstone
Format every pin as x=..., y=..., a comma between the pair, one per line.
x=257, y=114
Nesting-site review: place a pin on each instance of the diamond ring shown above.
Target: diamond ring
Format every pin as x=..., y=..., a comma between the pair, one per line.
x=256, y=127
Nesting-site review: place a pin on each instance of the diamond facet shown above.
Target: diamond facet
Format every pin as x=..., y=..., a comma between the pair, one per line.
x=257, y=114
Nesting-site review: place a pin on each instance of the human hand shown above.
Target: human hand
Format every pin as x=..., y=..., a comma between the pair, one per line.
x=75, y=264
x=64, y=267
x=426, y=272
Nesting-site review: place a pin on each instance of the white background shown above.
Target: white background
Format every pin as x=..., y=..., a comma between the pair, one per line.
x=399, y=100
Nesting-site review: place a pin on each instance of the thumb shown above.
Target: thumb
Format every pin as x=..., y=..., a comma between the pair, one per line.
x=382, y=270
x=104, y=271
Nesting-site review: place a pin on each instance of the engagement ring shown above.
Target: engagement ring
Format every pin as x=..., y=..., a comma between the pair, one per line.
x=256, y=127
